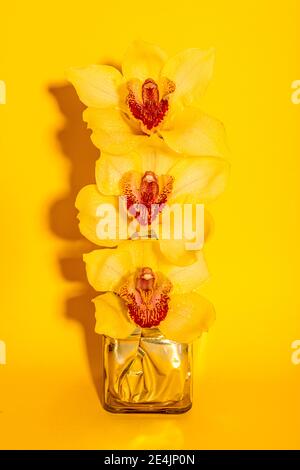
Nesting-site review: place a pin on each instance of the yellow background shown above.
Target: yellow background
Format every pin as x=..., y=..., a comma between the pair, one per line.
x=246, y=387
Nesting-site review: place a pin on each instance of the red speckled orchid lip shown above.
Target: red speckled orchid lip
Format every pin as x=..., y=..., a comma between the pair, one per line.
x=147, y=298
x=148, y=200
x=150, y=109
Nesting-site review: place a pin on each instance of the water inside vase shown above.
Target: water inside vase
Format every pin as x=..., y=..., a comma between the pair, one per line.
x=146, y=372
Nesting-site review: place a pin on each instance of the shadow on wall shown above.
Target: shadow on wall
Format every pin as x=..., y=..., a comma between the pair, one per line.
x=75, y=143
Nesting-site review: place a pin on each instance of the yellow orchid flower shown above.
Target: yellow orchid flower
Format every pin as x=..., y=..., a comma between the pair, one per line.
x=151, y=177
x=153, y=97
x=143, y=289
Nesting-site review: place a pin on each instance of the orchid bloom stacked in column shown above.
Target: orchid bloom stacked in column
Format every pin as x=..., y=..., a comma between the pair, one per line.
x=157, y=148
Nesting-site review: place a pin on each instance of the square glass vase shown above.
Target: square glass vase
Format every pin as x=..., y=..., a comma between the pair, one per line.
x=146, y=373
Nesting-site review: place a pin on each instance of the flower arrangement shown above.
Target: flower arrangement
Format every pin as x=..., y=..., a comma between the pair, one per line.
x=160, y=154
